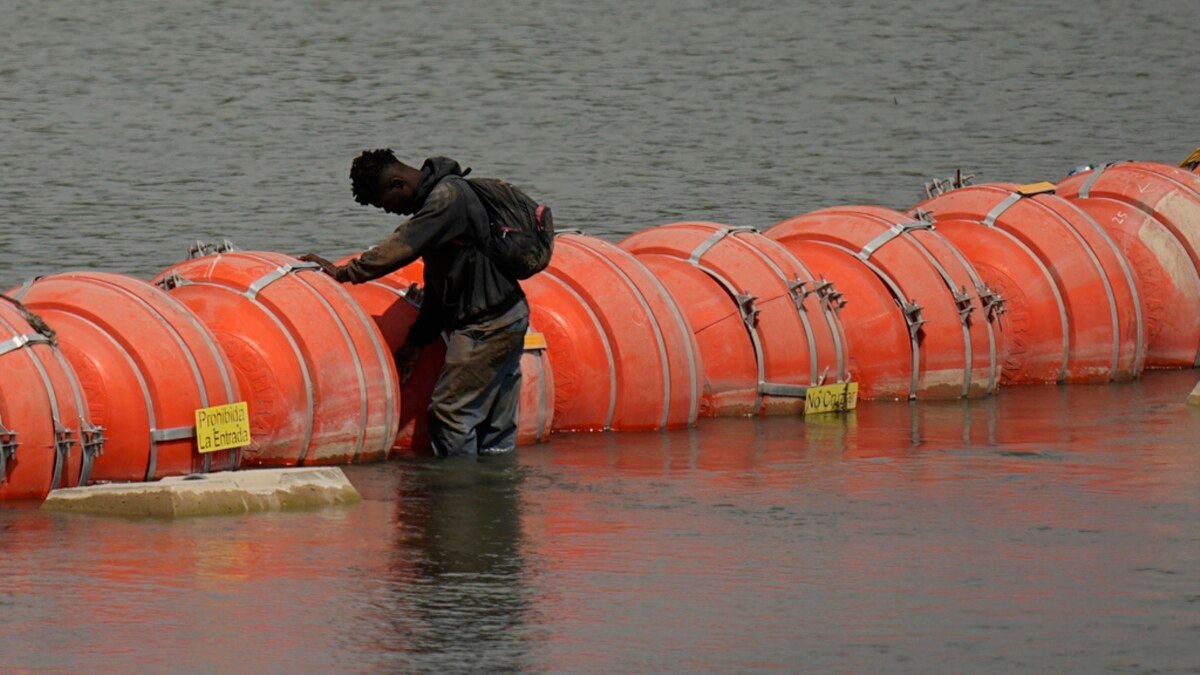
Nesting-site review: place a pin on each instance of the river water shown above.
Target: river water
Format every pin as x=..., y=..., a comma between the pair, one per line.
x=1046, y=529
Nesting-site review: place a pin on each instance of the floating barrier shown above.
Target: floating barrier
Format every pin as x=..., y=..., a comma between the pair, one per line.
x=1169, y=283
x=1170, y=194
x=1030, y=322
x=623, y=354
x=882, y=351
x=146, y=364
x=385, y=301
x=763, y=331
x=948, y=308
x=1102, y=307
x=47, y=438
x=320, y=382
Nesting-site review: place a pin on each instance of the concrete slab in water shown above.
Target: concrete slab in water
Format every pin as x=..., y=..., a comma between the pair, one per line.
x=211, y=494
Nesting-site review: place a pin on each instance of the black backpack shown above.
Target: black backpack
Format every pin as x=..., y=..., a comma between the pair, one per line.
x=520, y=239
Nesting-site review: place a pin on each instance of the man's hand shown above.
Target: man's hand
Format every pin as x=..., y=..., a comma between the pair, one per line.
x=326, y=266
x=406, y=360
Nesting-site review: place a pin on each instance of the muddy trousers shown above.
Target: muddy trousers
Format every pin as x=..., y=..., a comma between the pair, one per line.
x=474, y=405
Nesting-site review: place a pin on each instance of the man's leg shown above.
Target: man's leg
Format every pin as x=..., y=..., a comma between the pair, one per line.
x=498, y=431
x=478, y=361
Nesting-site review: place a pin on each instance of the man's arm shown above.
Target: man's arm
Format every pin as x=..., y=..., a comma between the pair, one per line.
x=442, y=218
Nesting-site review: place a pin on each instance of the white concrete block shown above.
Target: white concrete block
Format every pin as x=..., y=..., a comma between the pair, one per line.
x=211, y=494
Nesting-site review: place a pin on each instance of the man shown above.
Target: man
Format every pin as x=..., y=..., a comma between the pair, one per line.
x=483, y=312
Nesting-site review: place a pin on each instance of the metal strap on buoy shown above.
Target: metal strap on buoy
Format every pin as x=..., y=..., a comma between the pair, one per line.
x=62, y=434
x=990, y=221
x=91, y=436
x=962, y=299
x=796, y=290
x=911, y=311
x=8, y=449
x=278, y=273
x=893, y=231
x=1086, y=188
x=745, y=303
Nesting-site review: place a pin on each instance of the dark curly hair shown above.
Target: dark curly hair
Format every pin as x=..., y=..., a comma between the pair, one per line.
x=365, y=172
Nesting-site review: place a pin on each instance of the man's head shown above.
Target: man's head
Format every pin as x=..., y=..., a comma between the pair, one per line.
x=379, y=179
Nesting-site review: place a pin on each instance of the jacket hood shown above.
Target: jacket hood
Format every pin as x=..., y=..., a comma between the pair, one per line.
x=432, y=172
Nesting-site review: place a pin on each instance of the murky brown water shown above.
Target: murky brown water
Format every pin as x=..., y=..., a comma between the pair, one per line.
x=1049, y=529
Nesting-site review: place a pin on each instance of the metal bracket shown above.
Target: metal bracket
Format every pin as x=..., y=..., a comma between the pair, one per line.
x=924, y=215
x=798, y=292
x=8, y=449
x=963, y=299
x=831, y=298
x=939, y=186
x=993, y=303
x=172, y=281
x=93, y=446
x=62, y=449
x=745, y=303
x=201, y=248
x=912, y=314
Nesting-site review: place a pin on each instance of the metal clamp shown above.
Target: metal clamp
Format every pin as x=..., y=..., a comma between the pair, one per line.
x=796, y=289
x=939, y=186
x=745, y=303
x=8, y=449
x=831, y=298
x=993, y=303
x=93, y=446
x=963, y=300
x=912, y=315
x=200, y=248
x=62, y=450
x=172, y=281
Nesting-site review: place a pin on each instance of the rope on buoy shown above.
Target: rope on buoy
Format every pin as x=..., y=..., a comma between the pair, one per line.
x=38, y=323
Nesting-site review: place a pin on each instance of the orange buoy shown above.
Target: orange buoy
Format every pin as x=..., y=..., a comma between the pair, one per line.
x=623, y=354
x=957, y=346
x=385, y=301
x=1100, y=296
x=1170, y=194
x=146, y=364
x=762, y=339
x=882, y=350
x=1030, y=315
x=320, y=383
x=1169, y=282
x=47, y=438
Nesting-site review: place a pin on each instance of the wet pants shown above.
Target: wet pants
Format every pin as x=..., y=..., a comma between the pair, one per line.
x=474, y=405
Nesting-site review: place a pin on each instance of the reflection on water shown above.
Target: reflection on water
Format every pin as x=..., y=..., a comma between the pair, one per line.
x=456, y=594
x=1048, y=528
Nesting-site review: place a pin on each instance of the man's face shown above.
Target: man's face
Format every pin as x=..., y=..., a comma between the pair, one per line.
x=395, y=191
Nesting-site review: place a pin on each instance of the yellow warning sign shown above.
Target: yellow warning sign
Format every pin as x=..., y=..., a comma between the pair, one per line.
x=831, y=398
x=223, y=427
